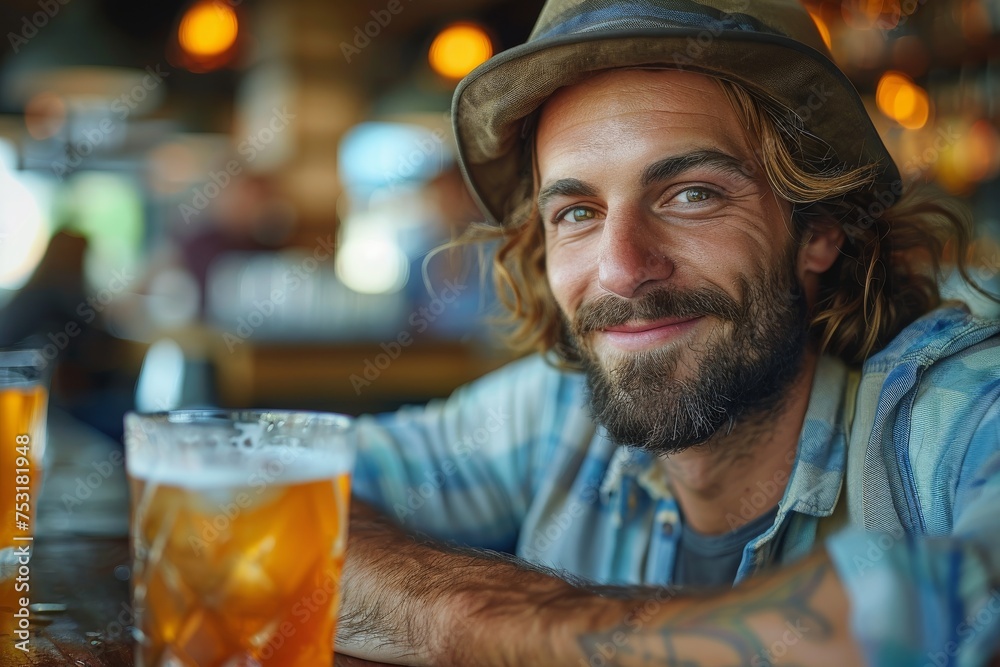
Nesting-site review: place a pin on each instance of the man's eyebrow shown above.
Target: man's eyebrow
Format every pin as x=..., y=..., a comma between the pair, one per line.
x=564, y=187
x=670, y=167
x=661, y=170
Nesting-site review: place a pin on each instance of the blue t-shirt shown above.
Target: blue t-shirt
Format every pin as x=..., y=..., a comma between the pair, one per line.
x=713, y=560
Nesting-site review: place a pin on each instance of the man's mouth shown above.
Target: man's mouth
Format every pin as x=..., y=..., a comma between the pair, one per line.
x=646, y=334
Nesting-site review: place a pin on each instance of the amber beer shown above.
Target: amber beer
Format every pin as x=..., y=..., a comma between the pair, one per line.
x=22, y=431
x=237, y=557
x=23, y=403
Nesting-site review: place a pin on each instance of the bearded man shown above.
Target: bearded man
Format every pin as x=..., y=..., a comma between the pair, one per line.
x=752, y=433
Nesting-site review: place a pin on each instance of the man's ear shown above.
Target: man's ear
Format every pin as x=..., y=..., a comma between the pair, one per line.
x=820, y=248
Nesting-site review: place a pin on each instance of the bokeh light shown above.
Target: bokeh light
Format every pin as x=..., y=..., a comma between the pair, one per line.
x=24, y=232
x=902, y=100
x=824, y=29
x=369, y=258
x=972, y=158
x=208, y=29
x=459, y=49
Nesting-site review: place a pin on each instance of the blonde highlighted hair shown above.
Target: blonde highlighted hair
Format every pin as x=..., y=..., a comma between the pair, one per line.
x=885, y=278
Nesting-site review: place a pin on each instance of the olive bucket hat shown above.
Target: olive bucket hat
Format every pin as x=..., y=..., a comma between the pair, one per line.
x=771, y=47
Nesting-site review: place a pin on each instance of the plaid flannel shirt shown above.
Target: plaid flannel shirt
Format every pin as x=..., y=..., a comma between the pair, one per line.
x=514, y=462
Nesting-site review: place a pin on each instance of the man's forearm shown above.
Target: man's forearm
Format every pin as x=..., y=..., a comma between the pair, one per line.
x=408, y=601
x=795, y=616
x=414, y=603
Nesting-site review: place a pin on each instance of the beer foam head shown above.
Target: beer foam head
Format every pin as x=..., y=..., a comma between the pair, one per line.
x=212, y=469
x=209, y=448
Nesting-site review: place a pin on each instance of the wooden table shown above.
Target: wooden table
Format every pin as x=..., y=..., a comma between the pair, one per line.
x=80, y=608
x=79, y=570
x=83, y=610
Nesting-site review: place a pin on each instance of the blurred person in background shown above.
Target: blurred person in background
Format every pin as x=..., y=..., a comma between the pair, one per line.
x=752, y=434
x=51, y=295
x=55, y=314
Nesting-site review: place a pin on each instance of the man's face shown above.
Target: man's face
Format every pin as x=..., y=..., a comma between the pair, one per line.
x=672, y=261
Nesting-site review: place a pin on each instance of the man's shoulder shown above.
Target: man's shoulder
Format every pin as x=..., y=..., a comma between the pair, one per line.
x=947, y=363
x=944, y=335
x=954, y=363
x=531, y=382
x=927, y=418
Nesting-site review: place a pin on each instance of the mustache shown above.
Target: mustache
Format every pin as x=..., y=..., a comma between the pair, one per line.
x=612, y=310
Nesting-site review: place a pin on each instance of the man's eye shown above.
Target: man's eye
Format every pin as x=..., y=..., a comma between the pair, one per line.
x=578, y=214
x=694, y=195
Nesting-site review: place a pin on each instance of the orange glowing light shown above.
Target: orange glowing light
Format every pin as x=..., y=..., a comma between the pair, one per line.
x=824, y=30
x=458, y=49
x=208, y=29
x=902, y=100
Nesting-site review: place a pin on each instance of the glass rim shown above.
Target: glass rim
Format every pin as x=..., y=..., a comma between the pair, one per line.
x=195, y=416
x=21, y=358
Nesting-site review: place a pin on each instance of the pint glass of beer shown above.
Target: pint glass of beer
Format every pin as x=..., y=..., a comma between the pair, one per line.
x=238, y=531
x=23, y=403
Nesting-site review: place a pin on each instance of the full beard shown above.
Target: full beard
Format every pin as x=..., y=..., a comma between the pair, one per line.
x=747, y=363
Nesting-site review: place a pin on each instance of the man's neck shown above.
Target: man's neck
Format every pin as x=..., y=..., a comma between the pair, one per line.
x=739, y=475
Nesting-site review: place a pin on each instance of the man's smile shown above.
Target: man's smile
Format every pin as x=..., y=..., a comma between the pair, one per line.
x=640, y=335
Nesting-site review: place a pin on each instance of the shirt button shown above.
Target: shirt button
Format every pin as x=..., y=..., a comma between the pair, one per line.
x=668, y=529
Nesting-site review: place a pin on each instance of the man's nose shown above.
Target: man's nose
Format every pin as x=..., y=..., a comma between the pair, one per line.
x=631, y=255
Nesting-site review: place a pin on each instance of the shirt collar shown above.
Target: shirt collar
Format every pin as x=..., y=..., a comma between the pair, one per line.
x=818, y=471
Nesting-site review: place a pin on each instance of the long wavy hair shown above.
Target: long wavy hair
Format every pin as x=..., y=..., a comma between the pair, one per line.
x=885, y=278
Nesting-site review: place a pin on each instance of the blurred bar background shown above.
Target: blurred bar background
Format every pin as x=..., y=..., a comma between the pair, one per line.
x=227, y=202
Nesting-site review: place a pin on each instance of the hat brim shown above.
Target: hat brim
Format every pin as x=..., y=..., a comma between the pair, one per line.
x=492, y=103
